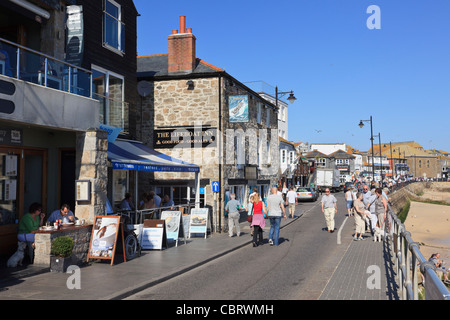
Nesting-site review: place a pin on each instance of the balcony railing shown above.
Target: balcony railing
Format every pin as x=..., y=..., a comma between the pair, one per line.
x=113, y=112
x=32, y=66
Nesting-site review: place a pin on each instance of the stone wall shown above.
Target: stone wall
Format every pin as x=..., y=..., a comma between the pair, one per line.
x=414, y=191
x=91, y=165
x=428, y=167
x=171, y=104
x=80, y=235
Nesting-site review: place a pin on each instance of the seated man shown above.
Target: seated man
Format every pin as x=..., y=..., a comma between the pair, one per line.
x=63, y=214
x=167, y=202
x=127, y=203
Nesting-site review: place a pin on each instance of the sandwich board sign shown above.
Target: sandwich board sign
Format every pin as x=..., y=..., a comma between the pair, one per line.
x=154, y=235
x=104, y=238
x=199, y=221
x=174, y=227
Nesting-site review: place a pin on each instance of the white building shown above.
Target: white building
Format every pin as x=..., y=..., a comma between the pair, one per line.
x=282, y=115
x=328, y=148
x=268, y=92
x=288, y=156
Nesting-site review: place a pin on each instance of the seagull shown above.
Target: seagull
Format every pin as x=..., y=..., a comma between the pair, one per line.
x=318, y=131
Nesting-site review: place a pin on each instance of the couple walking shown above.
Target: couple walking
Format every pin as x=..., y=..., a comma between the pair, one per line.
x=275, y=206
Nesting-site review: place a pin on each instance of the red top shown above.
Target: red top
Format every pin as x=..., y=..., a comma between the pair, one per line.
x=257, y=208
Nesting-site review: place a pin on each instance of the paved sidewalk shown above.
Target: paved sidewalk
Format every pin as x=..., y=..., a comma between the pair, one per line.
x=364, y=273
x=100, y=280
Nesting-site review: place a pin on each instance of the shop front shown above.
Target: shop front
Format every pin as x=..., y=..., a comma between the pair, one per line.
x=129, y=158
x=36, y=165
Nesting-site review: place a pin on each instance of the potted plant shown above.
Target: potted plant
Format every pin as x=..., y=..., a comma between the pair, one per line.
x=61, y=252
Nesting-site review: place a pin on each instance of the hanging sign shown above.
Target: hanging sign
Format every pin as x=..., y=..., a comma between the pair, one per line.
x=199, y=221
x=105, y=232
x=174, y=227
x=238, y=108
x=75, y=35
x=154, y=235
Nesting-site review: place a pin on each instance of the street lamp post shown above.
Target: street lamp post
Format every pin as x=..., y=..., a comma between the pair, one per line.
x=291, y=98
x=381, y=159
x=361, y=125
x=392, y=161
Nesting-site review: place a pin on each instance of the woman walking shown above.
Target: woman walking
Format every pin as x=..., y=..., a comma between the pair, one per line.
x=258, y=221
x=380, y=208
x=349, y=197
x=359, y=217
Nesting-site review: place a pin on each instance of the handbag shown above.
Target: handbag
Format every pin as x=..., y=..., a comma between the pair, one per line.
x=250, y=216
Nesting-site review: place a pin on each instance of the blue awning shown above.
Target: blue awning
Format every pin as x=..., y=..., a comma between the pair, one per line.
x=133, y=155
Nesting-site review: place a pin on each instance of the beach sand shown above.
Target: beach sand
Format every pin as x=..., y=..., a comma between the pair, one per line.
x=430, y=224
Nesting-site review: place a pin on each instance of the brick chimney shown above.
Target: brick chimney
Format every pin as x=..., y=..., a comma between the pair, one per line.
x=182, y=58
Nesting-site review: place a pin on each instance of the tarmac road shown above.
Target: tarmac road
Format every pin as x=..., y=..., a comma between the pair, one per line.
x=299, y=268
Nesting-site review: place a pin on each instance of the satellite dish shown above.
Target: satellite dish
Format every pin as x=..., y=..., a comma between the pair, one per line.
x=144, y=88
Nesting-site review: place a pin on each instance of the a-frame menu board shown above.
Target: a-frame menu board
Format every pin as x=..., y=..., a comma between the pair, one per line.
x=105, y=232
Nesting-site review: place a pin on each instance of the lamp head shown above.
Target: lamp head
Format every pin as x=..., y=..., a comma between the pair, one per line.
x=361, y=124
x=292, y=98
x=190, y=85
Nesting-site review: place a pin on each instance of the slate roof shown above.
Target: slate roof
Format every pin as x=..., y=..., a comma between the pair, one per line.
x=315, y=153
x=339, y=154
x=157, y=65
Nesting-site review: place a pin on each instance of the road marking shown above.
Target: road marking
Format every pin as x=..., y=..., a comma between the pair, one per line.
x=340, y=229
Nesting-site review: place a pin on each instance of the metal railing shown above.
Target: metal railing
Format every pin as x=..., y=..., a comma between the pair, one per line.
x=409, y=261
x=138, y=216
x=113, y=112
x=32, y=66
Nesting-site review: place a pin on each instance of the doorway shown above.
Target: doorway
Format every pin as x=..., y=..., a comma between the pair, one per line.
x=67, y=179
x=26, y=182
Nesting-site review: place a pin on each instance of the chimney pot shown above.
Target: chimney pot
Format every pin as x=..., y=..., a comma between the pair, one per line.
x=189, y=30
x=174, y=31
x=182, y=24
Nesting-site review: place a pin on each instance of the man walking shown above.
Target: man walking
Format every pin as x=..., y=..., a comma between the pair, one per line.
x=233, y=215
x=275, y=205
x=291, y=200
x=329, y=209
x=366, y=195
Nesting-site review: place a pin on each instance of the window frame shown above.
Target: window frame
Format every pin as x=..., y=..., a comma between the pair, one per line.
x=120, y=28
x=106, y=94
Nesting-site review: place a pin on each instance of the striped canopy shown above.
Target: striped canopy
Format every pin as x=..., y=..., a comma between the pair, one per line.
x=133, y=155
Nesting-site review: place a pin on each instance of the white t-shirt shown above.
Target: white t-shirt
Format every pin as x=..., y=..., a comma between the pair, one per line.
x=291, y=196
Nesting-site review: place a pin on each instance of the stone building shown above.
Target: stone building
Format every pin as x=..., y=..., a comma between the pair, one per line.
x=197, y=112
x=410, y=158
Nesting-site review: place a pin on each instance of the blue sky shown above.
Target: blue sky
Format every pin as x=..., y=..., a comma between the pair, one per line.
x=340, y=70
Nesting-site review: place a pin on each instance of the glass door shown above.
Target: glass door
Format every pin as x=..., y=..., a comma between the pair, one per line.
x=23, y=180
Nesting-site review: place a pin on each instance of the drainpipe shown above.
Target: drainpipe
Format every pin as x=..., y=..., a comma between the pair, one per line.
x=220, y=209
